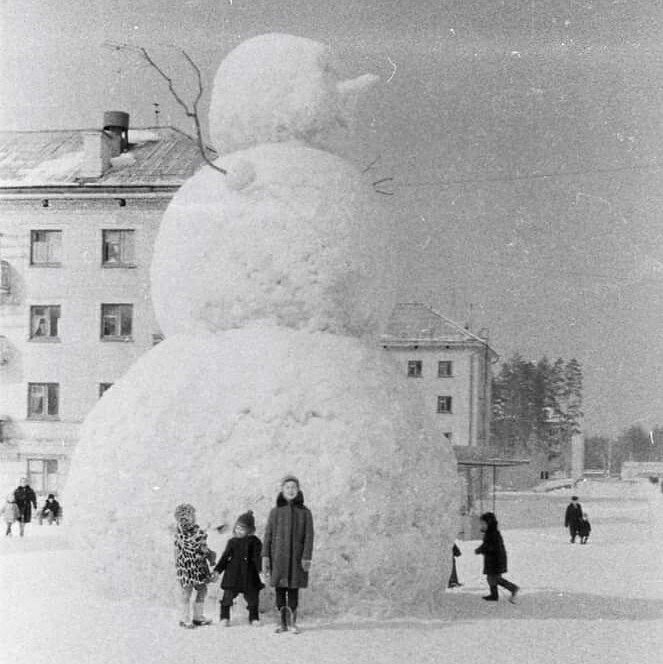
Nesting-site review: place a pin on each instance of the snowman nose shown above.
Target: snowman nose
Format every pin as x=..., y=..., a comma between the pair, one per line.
x=356, y=85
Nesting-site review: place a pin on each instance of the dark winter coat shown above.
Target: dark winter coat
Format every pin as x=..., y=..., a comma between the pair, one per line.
x=573, y=515
x=51, y=505
x=288, y=540
x=26, y=499
x=241, y=563
x=584, y=528
x=493, y=550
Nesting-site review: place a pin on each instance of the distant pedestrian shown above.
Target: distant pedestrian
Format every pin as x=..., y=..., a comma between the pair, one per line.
x=494, y=558
x=241, y=563
x=191, y=564
x=287, y=549
x=26, y=499
x=453, y=577
x=572, y=517
x=50, y=511
x=584, y=528
x=9, y=512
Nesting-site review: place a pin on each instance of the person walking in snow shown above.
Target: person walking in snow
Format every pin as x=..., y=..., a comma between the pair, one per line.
x=50, y=511
x=191, y=564
x=494, y=558
x=572, y=517
x=9, y=512
x=584, y=528
x=241, y=564
x=287, y=549
x=26, y=499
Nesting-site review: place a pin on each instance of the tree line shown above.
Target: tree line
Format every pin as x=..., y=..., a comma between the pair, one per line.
x=536, y=407
x=633, y=444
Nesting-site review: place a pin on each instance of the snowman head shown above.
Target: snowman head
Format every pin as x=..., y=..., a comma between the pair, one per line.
x=277, y=87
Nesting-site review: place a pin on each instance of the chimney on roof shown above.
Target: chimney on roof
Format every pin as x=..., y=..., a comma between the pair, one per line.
x=116, y=123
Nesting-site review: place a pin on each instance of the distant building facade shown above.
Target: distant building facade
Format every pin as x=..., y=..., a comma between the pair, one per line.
x=79, y=213
x=451, y=366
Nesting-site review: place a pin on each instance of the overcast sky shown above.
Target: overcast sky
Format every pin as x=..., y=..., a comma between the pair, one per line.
x=524, y=139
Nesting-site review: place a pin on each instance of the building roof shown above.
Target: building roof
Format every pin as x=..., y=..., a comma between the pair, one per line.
x=412, y=322
x=157, y=156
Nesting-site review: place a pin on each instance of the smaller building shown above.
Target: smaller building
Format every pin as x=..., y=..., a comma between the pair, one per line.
x=451, y=366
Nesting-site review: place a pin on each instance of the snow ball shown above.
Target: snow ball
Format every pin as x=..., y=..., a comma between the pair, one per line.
x=216, y=420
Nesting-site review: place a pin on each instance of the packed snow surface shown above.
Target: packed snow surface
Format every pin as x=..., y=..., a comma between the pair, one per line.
x=596, y=604
x=305, y=244
x=217, y=420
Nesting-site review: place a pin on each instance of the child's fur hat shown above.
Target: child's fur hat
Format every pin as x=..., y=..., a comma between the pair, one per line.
x=185, y=512
x=290, y=478
x=247, y=520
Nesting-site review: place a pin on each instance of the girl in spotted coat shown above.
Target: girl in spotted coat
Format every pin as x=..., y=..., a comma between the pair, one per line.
x=192, y=556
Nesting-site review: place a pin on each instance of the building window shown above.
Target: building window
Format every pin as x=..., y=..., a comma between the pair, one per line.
x=444, y=404
x=43, y=400
x=45, y=248
x=43, y=475
x=117, y=248
x=116, y=321
x=414, y=368
x=44, y=321
x=103, y=387
x=444, y=369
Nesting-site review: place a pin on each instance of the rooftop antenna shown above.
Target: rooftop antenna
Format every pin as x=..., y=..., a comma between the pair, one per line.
x=156, y=113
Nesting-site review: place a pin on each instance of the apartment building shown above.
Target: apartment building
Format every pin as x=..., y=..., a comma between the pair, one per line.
x=79, y=213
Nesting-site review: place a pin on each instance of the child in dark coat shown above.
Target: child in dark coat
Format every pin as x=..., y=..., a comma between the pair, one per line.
x=584, y=528
x=288, y=547
x=494, y=558
x=240, y=564
x=50, y=511
x=192, y=556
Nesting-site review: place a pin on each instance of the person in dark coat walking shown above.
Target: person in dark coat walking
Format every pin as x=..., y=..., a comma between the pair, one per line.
x=25, y=499
x=573, y=517
x=288, y=548
x=494, y=558
x=241, y=563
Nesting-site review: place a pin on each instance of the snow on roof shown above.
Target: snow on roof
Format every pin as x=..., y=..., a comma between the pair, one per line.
x=156, y=156
x=412, y=321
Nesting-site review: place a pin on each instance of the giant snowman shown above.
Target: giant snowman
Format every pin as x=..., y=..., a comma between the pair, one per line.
x=271, y=284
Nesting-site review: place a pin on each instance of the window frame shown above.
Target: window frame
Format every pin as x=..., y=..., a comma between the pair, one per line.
x=48, y=319
x=123, y=260
x=447, y=400
x=104, y=315
x=418, y=366
x=448, y=363
x=48, y=395
x=49, y=262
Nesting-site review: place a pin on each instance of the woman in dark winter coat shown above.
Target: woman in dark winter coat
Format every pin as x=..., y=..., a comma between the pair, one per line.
x=25, y=499
x=494, y=558
x=288, y=548
x=240, y=564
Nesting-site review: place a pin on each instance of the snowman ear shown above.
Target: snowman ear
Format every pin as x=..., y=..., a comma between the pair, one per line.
x=354, y=86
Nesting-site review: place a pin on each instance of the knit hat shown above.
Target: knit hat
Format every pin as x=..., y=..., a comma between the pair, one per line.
x=247, y=521
x=185, y=512
x=290, y=478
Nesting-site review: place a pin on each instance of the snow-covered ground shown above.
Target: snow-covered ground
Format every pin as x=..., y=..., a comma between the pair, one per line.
x=597, y=603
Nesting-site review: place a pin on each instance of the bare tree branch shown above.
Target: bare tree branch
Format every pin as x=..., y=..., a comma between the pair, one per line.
x=191, y=112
